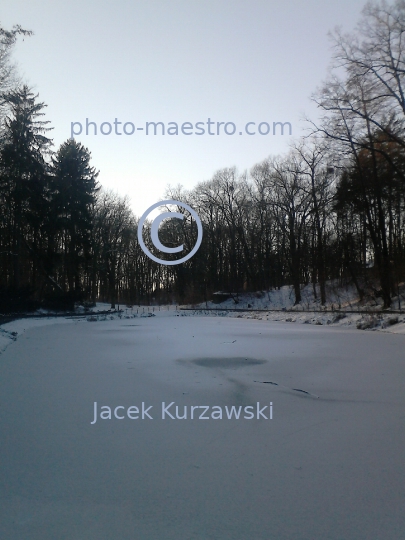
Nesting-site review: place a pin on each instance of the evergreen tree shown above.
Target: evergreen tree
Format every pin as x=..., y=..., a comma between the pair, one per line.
x=23, y=181
x=74, y=187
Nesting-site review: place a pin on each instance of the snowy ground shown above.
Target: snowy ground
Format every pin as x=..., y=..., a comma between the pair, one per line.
x=375, y=321
x=328, y=465
x=278, y=305
x=338, y=297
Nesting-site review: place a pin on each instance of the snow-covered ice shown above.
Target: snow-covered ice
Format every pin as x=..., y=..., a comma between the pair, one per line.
x=328, y=465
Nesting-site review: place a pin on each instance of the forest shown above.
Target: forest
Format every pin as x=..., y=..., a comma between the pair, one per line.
x=331, y=208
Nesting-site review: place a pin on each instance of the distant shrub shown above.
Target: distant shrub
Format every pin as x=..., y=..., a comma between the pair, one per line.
x=368, y=322
x=338, y=317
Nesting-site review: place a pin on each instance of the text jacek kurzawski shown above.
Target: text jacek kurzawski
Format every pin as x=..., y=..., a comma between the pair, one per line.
x=171, y=411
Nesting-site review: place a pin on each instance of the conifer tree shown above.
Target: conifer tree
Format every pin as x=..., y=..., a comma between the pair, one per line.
x=23, y=181
x=75, y=187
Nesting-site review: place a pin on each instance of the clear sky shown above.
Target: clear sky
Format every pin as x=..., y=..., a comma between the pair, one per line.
x=175, y=61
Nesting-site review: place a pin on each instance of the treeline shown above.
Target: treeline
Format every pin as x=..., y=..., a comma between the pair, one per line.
x=332, y=208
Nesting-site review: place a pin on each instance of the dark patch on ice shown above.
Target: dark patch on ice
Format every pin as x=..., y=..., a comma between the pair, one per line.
x=294, y=389
x=225, y=363
x=299, y=390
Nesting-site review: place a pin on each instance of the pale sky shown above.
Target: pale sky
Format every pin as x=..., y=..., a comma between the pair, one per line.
x=175, y=61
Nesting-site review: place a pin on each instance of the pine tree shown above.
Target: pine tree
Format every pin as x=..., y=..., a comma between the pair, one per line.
x=75, y=187
x=23, y=182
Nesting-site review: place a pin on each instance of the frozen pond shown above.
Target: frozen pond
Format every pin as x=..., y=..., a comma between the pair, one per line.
x=325, y=459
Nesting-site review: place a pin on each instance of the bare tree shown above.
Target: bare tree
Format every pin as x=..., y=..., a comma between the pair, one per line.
x=9, y=79
x=313, y=166
x=364, y=115
x=113, y=230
